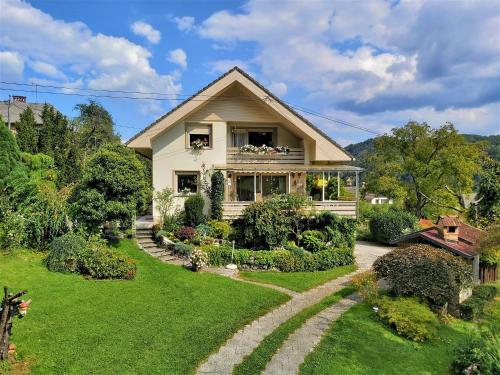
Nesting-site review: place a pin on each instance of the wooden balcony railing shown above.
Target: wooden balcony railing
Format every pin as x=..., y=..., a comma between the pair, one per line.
x=295, y=156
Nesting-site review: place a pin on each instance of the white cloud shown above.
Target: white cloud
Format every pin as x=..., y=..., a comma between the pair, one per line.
x=100, y=61
x=278, y=88
x=46, y=69
x=222, y=66
x=185, y=23
x=11, y=65
x=146, y=30
x=179, y=57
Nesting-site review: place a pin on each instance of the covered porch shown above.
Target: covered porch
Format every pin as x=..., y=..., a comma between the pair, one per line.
x=332, y=188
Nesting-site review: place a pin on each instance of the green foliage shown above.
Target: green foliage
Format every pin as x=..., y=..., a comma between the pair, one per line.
x=268, y=224
x=65, y=253
x=27, y=132
x=479, y=356
x=198, y=259
x=391, y=224
x=220, y=229
x=113, y=188
x=164, y=200
x=426, y=272
x=416, y=164
x=485, y=291
x=489, y=246
x=367, y=284
x=473, y=307
x=313, y=241
x=488, y=208
x=10, y=155
x=183, y=249
x=410, y=318
x=204, y=230
x=216, y=195
x=193, y=210
x=101, y=262
x=12, y=230
x=338, y=231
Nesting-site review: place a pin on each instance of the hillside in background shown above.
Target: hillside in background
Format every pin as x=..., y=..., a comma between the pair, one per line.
x=368, y=146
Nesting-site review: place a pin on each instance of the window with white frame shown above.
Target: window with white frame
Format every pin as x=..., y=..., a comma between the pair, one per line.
x=199, y=133
x=187, y=182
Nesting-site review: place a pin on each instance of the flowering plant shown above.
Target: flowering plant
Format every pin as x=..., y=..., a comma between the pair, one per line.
x=264, y=150
x=199, y=259
x=199, y=144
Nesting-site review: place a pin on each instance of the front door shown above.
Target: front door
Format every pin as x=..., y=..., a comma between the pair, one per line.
x=245, y=188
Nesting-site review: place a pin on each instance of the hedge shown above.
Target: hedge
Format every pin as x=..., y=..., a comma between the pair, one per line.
x=388, y=226
x=426, y=272
x=283, y=260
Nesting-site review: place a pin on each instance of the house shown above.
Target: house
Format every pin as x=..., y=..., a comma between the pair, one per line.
x=11, y=110
x=377, y=199
x=457, y=237
x=261, y=145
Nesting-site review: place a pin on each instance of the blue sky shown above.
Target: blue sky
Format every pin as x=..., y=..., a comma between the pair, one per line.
x=375, y=63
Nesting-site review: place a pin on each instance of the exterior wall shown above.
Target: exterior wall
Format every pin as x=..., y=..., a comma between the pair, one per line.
x=170, y=155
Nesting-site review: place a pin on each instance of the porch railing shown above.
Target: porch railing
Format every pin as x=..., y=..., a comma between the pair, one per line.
x=295, y=156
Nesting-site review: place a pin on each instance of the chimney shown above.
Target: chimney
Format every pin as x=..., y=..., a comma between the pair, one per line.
x=18, y=98
x=449, y=227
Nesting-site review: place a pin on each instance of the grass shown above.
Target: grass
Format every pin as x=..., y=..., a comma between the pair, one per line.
x=167, y=320
x=297, y=281
x=256, y=362
x=358, y=343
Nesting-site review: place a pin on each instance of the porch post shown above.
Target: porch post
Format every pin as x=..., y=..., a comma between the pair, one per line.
x=338, y=185
x=323, y=186
x=357, y=194
x=255, y=186
x=289, y=183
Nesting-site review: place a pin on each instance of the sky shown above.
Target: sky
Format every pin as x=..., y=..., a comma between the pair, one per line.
x=375, y=64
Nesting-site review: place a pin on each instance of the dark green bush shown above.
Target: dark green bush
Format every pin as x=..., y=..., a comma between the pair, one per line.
x=485, y=291
x=426, y=272
x=472, y=308
x=65, y=253
x=408, y=317
x=391, y=224
x=193, y=210
x=337, y=231
x=313, y=240
x=479, y=356
x=183, y=249
x=216, y=195
x=102, y=262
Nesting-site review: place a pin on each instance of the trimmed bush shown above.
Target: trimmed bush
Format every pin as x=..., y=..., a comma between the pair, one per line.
x=408, y=317
x=193, y=210
x=216, y=195
x=220, y=229
x=480, y=356
x=65, y=253
x=105, y=263
x=426, y=272
x=391, y=224
x=313, y=241
x=185, y=233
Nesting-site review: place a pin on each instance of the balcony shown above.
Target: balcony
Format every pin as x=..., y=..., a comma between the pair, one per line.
x=294, y=156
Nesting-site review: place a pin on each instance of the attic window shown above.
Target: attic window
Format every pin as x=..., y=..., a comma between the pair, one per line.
x=452, y=229
x=199, y=132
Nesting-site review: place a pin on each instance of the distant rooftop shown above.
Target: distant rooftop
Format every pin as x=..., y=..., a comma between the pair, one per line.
x=17, y=106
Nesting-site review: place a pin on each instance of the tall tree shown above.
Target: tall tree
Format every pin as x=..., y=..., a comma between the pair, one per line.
x=423, y=166
x=26, y=132
x=95, y=126
x=488, y=207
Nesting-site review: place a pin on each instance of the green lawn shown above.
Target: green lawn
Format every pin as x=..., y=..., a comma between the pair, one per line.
x=256, y=362
x=359, y=344
x=298, y=281
x=165, y=321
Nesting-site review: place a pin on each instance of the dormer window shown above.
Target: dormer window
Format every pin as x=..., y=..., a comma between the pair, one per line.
x=452, y=229
x=199, y=133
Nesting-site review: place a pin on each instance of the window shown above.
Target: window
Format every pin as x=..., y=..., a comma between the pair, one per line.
x=199, y=132
x=452, y=229
x=187, y=182
x=273, y=185
x=258, y=139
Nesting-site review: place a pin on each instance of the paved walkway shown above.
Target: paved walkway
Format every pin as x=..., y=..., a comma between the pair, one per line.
x=246, y=340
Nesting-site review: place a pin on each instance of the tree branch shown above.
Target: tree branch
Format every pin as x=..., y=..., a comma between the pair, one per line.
x=440, y=204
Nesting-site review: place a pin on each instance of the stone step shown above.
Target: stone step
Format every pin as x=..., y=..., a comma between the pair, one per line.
x=149, y=245
x=144, y=241
x=155, y=250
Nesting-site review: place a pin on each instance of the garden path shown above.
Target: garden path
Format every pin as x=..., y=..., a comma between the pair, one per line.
x=247, y=339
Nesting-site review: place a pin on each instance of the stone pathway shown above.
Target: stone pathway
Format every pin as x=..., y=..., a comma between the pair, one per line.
x=247, y=339
x=299, y=344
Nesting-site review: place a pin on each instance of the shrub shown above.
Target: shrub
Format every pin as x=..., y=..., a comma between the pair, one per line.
x=479, y=356
x=164, y=200
x=12, y=230
x=65, y=253
x=185, y=233
x=367, y=284
x=204, y=230
x=193, y=210
x=183, y=249
x=220, y=229
x=337, y=231
x=410, y=318
x=198, y=259
x=489, y=246
x=485, y=291
x=313, y=241
x=101, y=262
x=387, y=226
x=216, y=195
x=473, y=307
x=425, y=272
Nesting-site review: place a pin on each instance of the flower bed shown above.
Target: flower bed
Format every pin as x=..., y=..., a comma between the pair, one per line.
x=264, y=150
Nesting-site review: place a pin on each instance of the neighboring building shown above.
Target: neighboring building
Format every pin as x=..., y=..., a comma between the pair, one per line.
x=11, y=110
x=377, y=199
x=457, y=237
x=261, y=145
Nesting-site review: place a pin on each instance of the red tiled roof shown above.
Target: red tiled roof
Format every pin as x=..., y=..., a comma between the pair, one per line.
x=449, y=221
x=426, y=223
x=462, y=247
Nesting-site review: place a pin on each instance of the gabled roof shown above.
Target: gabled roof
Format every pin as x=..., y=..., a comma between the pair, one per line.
x=143, y=138
x=13, y=110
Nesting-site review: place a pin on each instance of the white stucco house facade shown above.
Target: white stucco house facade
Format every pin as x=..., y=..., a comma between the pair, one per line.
x=261, y=145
